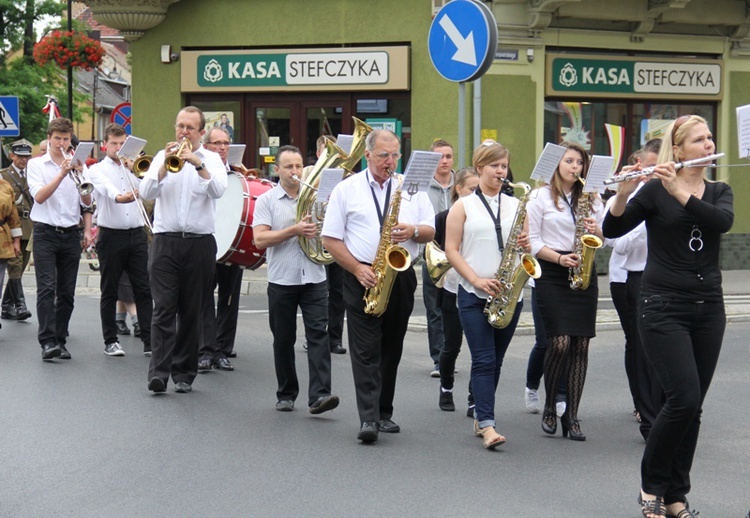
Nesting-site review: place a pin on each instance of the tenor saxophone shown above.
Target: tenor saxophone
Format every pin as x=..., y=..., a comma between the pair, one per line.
x=389, y=260
x=501, y=307
x=585, y=245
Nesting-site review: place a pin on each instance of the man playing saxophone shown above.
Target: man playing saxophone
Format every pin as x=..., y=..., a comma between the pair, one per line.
x=357, y=211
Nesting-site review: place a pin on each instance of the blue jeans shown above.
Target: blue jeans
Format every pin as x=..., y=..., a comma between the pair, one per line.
x=487, y=346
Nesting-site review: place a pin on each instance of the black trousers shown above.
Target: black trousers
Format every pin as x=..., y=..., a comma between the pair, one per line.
x=376, y=343
x=181, y=272
x=220, y=317
x=649, y=396
x=56, y=259
x=124, y=251
x=453, y=333
x=683, y=341
x=626, y=314
x=336, y=305
x=283, y=301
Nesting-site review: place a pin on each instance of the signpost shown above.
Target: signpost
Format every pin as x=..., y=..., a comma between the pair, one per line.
x=462, y=43
x=9, y=116
x=123, y=115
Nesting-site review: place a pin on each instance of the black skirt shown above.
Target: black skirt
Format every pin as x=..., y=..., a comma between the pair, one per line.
x=565, y=311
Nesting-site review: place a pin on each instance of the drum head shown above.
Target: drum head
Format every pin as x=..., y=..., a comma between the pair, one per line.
x=229, y=214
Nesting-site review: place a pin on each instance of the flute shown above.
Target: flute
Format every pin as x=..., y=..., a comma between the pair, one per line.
x=650, y=170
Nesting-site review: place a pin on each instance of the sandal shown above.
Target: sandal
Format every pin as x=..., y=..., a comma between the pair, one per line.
x=651, y=508
x=477, y=430
x=492, y=439
x=685, y=513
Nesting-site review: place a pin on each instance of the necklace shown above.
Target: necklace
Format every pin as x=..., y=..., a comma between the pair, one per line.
x=693, y=190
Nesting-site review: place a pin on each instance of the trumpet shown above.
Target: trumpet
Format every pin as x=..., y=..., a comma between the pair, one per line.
x=84, y=187
x=650, y=170
x=141, y=165
x=173, y=162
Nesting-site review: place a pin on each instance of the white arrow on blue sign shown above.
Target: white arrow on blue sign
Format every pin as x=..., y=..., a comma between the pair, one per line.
x=9, y=116
x=463, y=40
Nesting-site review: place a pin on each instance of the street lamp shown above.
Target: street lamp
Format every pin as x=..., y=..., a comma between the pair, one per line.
x=70, y=69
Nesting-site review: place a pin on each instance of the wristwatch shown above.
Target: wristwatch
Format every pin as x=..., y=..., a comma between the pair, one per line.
x=416, y=232
x=200, y=167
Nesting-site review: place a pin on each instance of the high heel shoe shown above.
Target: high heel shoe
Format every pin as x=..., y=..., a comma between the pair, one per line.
x=549, y=421
x=572, y=427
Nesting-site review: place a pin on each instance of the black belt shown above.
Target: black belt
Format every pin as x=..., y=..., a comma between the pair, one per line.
x=108, y=229
x=61, y=230
x=183, y=235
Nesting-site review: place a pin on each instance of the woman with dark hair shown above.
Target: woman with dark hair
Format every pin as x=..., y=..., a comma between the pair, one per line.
x=681, y=306
x=569, y=315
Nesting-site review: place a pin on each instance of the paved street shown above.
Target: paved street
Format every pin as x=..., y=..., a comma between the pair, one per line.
x=86, y=438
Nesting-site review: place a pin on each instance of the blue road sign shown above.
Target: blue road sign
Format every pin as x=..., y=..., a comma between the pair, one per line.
x=463, y=40
x=10, y=124
x=123, y=115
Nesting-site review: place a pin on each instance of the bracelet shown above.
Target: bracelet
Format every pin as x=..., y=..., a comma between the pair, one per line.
x=558, y=259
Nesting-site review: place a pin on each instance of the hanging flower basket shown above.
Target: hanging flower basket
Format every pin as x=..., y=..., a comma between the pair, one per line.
x=69, y=49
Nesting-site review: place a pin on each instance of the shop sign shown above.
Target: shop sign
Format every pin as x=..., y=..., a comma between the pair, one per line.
x=237, y=70
x=633, y=78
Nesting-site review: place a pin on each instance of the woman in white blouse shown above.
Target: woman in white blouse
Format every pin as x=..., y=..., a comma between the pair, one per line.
x=569, y=315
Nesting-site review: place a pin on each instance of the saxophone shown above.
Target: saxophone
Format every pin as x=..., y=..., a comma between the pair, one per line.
x=585, y=245
x=501, y=307
x=389, y=260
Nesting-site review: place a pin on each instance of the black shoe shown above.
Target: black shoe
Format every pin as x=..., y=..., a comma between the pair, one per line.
x=337, y=349
x=446, y=401
x=470, y=411
x=9, y=313
x=572, y=427
x=232, y=355
x=136, y=329
x=64, y=353
x=50, y=351
x=146, y=349
x=368, y=432
x=156, y=385
x=388, y=426
x=22, y=313
x=223, y=364
x=204, y=364
x=122, y=328
x=182, y=387
x=324, y=404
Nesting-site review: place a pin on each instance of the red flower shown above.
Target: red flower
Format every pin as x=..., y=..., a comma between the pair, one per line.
x=70, y=48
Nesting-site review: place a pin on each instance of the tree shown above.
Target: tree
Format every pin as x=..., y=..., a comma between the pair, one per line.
x=17, y=19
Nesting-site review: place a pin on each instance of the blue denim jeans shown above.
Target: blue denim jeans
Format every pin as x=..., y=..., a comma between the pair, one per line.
x=487, y=346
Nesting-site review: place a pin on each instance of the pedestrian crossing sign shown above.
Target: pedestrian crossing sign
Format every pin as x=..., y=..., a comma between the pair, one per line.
x=9, y=116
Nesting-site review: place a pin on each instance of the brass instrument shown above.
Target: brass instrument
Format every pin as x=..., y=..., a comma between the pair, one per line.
x=501, y=307
x=82, y=185
x=173, y=162
x=436, y=262
x=389, y=260
x=585, y=245
x=138, y=168
x=332, y=157
x=141, y=165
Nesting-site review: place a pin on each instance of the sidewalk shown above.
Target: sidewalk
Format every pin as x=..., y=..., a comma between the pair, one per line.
x=736, y=285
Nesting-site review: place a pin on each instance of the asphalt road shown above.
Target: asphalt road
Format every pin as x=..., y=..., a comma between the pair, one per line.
x=85, y=438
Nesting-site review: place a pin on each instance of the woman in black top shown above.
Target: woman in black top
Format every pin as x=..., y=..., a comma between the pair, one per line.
x=681, y=307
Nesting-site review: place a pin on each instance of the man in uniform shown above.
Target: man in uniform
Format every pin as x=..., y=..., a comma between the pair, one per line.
x=14, y=302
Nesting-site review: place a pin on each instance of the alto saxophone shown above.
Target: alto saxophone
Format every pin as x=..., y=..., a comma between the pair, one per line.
x=585, y=245
x=389, y=260
x=501, y=307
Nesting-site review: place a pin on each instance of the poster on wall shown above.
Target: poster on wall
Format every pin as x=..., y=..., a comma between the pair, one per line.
x=223, y=120
x=653, y=128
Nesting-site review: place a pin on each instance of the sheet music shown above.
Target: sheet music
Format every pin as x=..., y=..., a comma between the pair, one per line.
x=345, y=142
x=599, y=171
x=743, y=130
x=548, y=162
x=235, y=154
x=329, y=178
x=132, y=147
x=82, y=152
x=420, y=171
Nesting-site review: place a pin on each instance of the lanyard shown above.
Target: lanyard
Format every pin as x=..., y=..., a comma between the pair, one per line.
x=381, y=211
x=572, y=212
x=495, y=219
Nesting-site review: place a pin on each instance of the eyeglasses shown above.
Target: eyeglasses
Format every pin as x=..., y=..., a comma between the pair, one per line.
x=220, y=143
x=182, y=127
x=679, y=122
x=384, y=155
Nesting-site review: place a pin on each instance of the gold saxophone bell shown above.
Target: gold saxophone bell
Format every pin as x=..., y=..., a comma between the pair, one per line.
x=436, y=262
x=141, y=165
x=173, y=162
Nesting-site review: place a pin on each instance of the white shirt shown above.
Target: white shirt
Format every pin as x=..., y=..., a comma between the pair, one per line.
x=352, y=217
x=633, y=246
x=63, y=207
x=288, y=265
x=552, y=227
x=109, y=182
x=185, y=201
x=617, y=272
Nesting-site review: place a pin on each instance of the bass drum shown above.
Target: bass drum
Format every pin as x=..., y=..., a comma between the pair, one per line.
x=234, y=221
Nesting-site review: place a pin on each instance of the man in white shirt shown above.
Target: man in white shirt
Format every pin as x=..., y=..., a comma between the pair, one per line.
x=357, y=209
x=294, y=281
x=183, y=251
x=56, y=215
x=122, y=243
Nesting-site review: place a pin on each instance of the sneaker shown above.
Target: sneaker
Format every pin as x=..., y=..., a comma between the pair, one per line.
x=122, y=327
x=285, y=405
x=146, y=349
x=113, y=349
x=470, y=411
x=560, y=407
x=446, y=401
x=532, y=401
x=136, y=329
x=435, y=371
